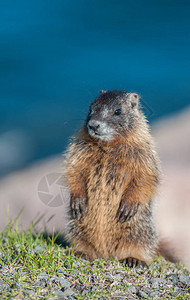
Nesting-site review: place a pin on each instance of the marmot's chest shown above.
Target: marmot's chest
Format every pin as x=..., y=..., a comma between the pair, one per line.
x=107, y=176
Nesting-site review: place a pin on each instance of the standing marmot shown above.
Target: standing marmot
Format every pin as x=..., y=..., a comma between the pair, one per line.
x=112, y=171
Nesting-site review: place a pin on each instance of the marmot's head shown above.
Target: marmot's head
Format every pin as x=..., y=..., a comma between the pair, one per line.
x=112, y=114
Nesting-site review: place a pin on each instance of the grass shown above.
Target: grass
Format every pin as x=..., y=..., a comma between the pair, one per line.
x=24, y=257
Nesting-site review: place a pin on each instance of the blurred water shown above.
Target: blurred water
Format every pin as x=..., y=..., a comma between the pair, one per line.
x=56, y=56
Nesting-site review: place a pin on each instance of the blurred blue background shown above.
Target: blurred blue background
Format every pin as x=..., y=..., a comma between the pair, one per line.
x=56, y=55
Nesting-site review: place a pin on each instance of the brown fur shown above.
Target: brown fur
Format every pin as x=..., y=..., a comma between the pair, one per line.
x=109, y=174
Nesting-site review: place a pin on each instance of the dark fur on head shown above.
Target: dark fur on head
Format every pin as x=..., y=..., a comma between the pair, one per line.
x=112, y=113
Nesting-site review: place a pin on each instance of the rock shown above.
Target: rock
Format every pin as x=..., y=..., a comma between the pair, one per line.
x=38, y=248
x=173, y=278
x=5, y=240
x=43, y=276
x=94, y=288
x=132, y=289
x=184, y=279
x=68, y=293
x=84, y=292
x=76, y=264
x=142, y=294
x=76, y=272
x=178, y=291
x=155, y=283
x=59, y=294
x=64, y=283
x=118, y=277
x=154, y=293
x=17, y=246
x=109, y=277
x=61, y=270
x=17, y=286
x=43, y=279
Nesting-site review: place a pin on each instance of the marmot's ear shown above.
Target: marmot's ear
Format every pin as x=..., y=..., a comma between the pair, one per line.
x=103, y=92
x=134, y=99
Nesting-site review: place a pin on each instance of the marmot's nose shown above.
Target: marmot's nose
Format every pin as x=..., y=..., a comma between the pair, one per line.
x=93, y=125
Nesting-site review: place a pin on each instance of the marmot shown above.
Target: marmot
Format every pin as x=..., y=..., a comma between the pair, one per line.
x=112, y=171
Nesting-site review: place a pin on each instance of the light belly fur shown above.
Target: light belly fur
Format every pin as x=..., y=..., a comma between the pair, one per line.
x=100, y=218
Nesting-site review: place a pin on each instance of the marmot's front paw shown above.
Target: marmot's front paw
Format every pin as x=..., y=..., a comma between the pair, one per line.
x=126, y=211
x=78, y=206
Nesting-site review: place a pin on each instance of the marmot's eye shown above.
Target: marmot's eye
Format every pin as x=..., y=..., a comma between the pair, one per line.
x=117, y=112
